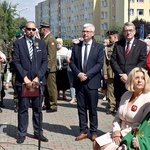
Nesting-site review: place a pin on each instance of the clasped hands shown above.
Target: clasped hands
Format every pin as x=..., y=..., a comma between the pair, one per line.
x=82, y=76
x=123, y=77
x=31, y=84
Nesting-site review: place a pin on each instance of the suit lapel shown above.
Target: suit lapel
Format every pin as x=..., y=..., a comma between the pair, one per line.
x=80, y=54
x=133, y=48
x=24, y=43
x=91, y=52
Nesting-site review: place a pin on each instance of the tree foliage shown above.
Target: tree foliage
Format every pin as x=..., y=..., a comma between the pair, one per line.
x=8, y=23
x=137, y=24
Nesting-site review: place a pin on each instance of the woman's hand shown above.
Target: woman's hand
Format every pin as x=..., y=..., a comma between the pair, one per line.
x=116, y=136
x=135, y=143
x=117, y=140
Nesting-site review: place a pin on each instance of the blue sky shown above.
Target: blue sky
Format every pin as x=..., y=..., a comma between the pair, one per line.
x=28, y=13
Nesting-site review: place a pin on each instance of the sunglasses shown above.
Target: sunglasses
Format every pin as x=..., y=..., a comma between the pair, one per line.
x=29, y=29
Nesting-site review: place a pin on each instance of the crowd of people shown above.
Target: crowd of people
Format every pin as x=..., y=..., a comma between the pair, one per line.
x=39, y=61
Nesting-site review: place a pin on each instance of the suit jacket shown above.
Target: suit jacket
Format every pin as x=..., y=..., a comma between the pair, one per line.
x=136, y=58
x=51, y=52
x=93, y=68
x=26, y=67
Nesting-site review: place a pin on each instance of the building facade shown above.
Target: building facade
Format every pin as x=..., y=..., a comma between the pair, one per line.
x=66, y=17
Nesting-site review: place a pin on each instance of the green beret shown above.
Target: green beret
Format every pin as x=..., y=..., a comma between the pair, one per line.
x=112, y=32
x=19, y=33
x=22, y=25
x=44, y=25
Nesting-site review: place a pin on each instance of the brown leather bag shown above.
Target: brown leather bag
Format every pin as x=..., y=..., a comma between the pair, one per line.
x=30, y=92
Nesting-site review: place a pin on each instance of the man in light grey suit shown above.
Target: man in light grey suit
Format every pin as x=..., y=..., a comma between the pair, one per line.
x=86, y=64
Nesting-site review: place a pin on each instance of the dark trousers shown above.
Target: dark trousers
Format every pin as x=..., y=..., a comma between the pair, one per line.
x=119, y=90
x=87, y=99
x=23, y=116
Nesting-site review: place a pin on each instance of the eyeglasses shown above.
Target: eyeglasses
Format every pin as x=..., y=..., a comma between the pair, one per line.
x=29, y=29
x=131, y=30
x=87, y=32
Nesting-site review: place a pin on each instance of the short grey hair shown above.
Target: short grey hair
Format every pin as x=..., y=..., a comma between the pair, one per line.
x=89, y=25
x=129, y=24
x=59, y=40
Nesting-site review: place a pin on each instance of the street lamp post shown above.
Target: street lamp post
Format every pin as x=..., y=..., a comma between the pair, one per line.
x=128, y=10
x=19, y=11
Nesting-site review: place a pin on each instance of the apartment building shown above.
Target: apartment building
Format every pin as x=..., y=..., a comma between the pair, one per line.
x=66, y=17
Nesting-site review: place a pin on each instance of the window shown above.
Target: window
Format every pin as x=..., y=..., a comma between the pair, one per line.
x=140, y=11
x=113, y=17
x=104, y=3
x=132, y=12
x=113, y=5
x=102, y=15
x=140, y=0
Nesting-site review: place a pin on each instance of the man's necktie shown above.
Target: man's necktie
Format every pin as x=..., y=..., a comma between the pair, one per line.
x=85, y=57
x=127, y=49
x=31, y=49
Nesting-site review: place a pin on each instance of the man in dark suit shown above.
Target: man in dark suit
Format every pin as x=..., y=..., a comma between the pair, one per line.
x=86, y=63
x=31, y=72
x=128, y=53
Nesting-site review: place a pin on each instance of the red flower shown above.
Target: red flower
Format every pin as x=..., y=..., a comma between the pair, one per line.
x=134, y=108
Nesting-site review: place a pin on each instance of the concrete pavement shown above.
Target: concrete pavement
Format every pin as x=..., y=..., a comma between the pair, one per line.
x=60, y=127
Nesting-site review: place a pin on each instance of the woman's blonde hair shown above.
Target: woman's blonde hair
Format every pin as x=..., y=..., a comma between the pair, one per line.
x=129, y=84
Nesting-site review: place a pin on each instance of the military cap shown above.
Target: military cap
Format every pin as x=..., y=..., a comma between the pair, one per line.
x=112, y=32
x=19, y=33
x=44, y=25
x=22, y=25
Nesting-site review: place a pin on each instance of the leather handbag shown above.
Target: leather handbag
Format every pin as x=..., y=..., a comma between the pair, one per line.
x=30, y=92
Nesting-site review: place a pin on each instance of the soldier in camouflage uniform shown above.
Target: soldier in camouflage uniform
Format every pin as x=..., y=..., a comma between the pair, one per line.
x=108, y=72
x=19, y=35
x=2, y=70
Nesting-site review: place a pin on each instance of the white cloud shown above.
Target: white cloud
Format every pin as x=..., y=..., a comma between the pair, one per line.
x=28, y=13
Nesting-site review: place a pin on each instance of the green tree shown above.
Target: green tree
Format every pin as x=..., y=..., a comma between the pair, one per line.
x=137, y=24
x=8, y=23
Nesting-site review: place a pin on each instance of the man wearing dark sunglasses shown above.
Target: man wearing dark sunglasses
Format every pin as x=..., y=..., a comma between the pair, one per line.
x=30, y=62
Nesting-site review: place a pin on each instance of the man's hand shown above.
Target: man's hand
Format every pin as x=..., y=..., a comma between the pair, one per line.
x=105, y=76
x=82, y=76
x=123, y=77
x=2, y=60
x=35, y=82
x=27, y=82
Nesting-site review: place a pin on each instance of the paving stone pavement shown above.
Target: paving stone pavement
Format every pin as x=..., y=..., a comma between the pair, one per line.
x=60, y=127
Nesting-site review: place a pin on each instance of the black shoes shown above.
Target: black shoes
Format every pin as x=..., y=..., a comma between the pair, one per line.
x=110, y=112
x=42, y=137
x=16, y=108
x=51, y=110
x=20, y=139
x=0, y=110
x=44, y=107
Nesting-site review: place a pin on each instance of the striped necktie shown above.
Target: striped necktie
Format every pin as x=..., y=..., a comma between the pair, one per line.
x=31, y=49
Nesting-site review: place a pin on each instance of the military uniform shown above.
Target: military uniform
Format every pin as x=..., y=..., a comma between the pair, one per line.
x=18, y=35
x=51, y=88
x=109, y=72
x=2, y=71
